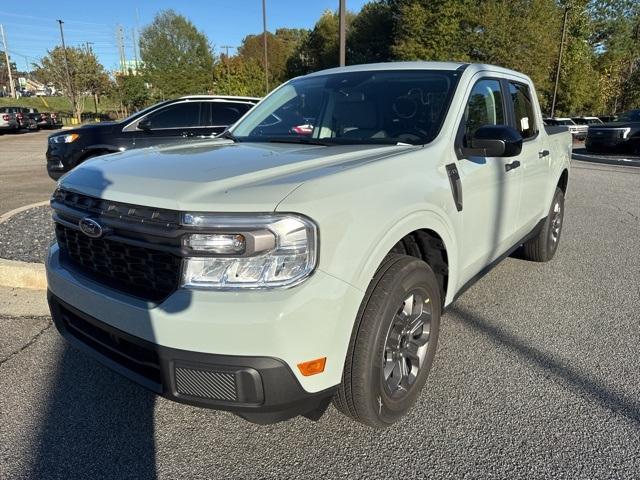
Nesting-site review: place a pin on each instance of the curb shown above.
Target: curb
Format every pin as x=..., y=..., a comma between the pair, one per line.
x=7, y=216
x=627, y=162
x=17, y=274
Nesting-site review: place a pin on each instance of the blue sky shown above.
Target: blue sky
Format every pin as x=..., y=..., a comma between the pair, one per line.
x=31, y=27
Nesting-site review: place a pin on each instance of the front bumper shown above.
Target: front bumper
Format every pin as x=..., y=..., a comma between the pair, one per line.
x=309, y=321
x=605, y=144
x=61, y=158
x=259, y=389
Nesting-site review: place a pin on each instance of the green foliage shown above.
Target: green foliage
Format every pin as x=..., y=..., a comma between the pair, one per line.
x=132, y=92
x=368, y=39
x=431, y=29
x=86, y=73
x=280, y=47
x=239, y=76
x=177, y=58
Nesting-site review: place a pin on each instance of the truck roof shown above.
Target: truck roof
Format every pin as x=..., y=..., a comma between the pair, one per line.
x=418, y=65
x=223, y=97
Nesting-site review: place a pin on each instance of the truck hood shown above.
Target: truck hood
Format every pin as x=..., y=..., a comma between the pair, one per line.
x=216, y=175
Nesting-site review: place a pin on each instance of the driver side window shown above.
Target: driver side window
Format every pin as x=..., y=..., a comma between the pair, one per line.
x=484, y=107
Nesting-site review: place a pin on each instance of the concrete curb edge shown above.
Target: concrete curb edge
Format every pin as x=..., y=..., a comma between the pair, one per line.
x=17, y=274
x=5, y=217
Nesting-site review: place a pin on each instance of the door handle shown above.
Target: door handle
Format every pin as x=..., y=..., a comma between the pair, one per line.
x=543, y=153
x=510, y=166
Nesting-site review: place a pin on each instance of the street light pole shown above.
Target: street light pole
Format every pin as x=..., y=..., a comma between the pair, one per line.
x=6, y=57
x=264, y=40
x=343, y=33
x=555, y=87
x=66, y=67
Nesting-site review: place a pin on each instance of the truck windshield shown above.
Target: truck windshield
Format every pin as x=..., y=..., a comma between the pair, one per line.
x=388, y=107
x=630, y=116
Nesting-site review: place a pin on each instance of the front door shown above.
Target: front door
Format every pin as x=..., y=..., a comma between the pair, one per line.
x=174, y=123
x=491, y=186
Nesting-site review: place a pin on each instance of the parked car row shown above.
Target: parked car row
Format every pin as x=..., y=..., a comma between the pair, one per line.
x=609, y=134
x=182, y=119
x=14, y=119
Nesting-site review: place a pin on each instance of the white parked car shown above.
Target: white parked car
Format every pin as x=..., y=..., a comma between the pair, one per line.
x=308, y=255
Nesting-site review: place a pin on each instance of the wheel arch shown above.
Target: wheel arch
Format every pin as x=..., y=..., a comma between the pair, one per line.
x=563, y=181
x=418, y=232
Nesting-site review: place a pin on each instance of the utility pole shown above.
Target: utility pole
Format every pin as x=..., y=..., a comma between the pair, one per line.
x=343, y=33
x=120, y=39
x=135, y=48
x=264, y=40
x=6, y=58
x=87, y=46
x=72, y=93
x=555, y=88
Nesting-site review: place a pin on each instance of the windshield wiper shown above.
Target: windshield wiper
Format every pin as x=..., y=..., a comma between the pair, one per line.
x=229, y=136
x=302, y=140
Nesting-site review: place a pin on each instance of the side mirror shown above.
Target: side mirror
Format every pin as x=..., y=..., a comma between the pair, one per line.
x=144, y=124
x=497, y=141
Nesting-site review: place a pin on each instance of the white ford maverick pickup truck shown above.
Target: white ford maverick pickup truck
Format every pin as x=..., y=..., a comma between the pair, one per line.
x=307, y=255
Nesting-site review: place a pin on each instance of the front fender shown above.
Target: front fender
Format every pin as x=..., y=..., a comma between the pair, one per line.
x=419, y=220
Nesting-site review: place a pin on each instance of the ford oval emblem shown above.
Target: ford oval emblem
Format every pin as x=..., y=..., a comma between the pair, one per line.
x=90, y=227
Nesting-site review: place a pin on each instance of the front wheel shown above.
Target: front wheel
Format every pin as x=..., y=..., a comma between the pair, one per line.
x=393, y=343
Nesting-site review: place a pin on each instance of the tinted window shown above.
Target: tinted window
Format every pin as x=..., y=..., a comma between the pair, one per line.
x=523, y=109
x=226, y=113
x=365, y=107
x=186, y=114
x=484, y=107
x=631, y=116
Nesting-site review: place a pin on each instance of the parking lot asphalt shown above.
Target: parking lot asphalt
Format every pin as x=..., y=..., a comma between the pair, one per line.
x=23, y=174
x=537, y=376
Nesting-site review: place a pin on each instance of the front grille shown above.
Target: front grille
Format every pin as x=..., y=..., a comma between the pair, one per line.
x=133, y=356
x=206, y=384
x=142, y=272
x=117, y=210
x=605, y=133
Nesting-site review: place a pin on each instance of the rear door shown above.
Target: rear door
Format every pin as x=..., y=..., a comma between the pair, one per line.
x=224, y=113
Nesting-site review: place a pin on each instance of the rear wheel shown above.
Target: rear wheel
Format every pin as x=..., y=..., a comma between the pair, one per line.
x=393, y=343
x=543, y=246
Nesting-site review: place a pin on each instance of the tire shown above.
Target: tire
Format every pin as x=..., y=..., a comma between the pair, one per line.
x=365, y=393
x=543, y=246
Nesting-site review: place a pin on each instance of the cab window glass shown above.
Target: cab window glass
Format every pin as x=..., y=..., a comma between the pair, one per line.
x=186, y=114
x=523, y=109
x=484, y=107
x=227, y=113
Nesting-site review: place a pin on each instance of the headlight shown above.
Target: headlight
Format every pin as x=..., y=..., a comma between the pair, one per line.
x=69, y=138
x=263, y=251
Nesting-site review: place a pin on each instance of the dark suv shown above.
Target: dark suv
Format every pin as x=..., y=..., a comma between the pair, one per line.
x=621, y=135
x=182, y=119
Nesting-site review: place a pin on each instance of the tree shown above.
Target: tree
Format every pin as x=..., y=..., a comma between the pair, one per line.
x=239, y=76
x=177, y=58
x=280, y=47
x=370, y=35
x=87, y=74
x=432, y=29
x=132, y=92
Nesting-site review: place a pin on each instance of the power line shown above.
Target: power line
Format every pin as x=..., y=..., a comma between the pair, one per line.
x=18, y=15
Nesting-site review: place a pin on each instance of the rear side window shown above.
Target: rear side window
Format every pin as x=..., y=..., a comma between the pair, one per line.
x=227, y=113
x=523, y=109
x=186, y=114
x=484, y=107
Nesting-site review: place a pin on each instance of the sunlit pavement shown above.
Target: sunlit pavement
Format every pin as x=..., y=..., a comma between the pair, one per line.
x=537, y=376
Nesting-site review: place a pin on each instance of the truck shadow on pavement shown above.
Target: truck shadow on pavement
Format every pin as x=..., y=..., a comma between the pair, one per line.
x=576, y=381
x=96, y=424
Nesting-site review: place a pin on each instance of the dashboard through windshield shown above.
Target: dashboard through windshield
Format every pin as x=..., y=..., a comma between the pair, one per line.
x=387, y=107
